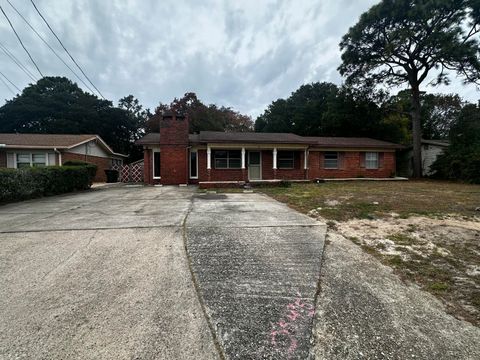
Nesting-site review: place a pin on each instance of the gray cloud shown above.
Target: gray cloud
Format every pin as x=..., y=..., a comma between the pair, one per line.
x=239, y=54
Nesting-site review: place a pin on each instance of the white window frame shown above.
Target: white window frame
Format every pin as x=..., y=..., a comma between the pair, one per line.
x=190, y=163
x=374, y=160
x=153, y=164
x=30, y=154
x=325, y=160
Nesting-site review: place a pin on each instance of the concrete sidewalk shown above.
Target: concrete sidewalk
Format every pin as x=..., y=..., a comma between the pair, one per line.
x=257, y=264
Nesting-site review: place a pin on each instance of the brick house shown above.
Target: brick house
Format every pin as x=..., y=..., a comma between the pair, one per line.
x=22, y=150
x=211, y=159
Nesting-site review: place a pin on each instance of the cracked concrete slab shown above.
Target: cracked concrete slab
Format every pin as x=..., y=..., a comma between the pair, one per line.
x=257, y=266
x=365, y=311
x=118, y=293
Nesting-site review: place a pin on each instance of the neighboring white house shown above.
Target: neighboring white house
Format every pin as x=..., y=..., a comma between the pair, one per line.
x=431, y=149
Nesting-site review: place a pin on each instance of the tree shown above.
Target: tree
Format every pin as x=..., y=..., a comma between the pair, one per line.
x=56, y=105
x=138, y=117
x=439, y=112
x=204, y=117
x=323, y=109
x=401, y=42
x=462, y=158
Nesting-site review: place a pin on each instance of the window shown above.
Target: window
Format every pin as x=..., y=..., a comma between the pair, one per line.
x=285, y=160
x=28, y=159
x=193, y=164
x=371, y=160
x=38, y=160
x=156, y=165
x=330, y=160
x=23, y=160
x=227, y=159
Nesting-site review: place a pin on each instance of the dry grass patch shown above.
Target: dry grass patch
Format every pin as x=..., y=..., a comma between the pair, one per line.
x=367, y=200
x=428, y=231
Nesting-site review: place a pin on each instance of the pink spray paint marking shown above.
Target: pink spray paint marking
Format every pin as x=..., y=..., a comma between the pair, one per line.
x=295, y=311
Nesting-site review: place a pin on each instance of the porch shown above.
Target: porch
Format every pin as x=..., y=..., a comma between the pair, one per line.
x=252, y=163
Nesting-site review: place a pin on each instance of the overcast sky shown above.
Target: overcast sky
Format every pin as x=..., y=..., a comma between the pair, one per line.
x=242, y=54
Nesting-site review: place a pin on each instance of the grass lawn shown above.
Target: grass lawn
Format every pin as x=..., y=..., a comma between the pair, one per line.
x=371, y=199
x=427, y=231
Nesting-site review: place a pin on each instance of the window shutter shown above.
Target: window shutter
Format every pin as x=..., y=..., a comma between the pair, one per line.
x=380, y=159
x=10, y=160
x=362, y=159
x=341, y=160
x=320, y=158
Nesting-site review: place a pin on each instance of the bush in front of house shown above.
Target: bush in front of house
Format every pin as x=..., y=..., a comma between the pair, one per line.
x=28, y=183
x=92, y=168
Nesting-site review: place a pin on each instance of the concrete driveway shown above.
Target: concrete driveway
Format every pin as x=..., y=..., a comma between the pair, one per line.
x=257, y=266
x=99, y=275
x=108, y=274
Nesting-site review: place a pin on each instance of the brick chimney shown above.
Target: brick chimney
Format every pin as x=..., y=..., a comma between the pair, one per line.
x=173, y=148
x=173, y=129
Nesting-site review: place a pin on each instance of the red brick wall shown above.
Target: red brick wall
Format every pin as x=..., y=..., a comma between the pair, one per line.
x=147, y=167
x=217, y=174
x=173, y=165
x=102, y=163
x=351, y=166
x=297, y=173
x=3, y=159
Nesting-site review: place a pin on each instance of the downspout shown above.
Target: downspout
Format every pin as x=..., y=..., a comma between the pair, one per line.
x=59, y=156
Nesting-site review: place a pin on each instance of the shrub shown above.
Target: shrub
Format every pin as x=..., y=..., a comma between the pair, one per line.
x=92, y=168
x=27, y=183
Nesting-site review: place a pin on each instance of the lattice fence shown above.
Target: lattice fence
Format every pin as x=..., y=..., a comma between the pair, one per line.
x=131, y=173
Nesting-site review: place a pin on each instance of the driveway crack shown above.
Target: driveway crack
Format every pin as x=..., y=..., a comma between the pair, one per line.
x=71, y=255
x=215, y=340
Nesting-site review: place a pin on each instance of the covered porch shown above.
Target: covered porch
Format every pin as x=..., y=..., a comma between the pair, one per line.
x=254, y=163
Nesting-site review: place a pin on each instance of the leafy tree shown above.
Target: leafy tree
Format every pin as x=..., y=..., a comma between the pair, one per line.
x=204, y=117
x=462, y=158
x=56, y=105
x=439, y=112
x=323, y=109
x=404, y=41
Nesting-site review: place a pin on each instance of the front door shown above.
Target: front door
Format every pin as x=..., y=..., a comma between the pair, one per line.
x=254, y=165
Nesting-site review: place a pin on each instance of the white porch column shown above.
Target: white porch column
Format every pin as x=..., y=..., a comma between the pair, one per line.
x=305, y=160
x=243, y=158
x=274, y=158
x=209, y=158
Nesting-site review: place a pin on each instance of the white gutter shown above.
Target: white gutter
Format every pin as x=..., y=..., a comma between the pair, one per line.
x=59, y=156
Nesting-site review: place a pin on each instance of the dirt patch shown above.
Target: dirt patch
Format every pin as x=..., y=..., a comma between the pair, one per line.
x=440, y=255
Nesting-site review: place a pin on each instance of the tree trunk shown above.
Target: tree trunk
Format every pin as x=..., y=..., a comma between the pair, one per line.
x=416, y=132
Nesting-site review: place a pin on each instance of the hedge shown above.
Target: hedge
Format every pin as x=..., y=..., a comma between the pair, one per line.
x=27, y=183
x=92, y=168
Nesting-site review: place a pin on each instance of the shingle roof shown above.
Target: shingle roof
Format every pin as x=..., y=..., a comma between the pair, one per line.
x=50, y=141
x=44, y=140
x=436, y=142
x=250, y=137
x=149, y=139
x=351, y=142
x=275, y=138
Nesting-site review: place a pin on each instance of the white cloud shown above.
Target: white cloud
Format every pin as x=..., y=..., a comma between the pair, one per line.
x=242, y=54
